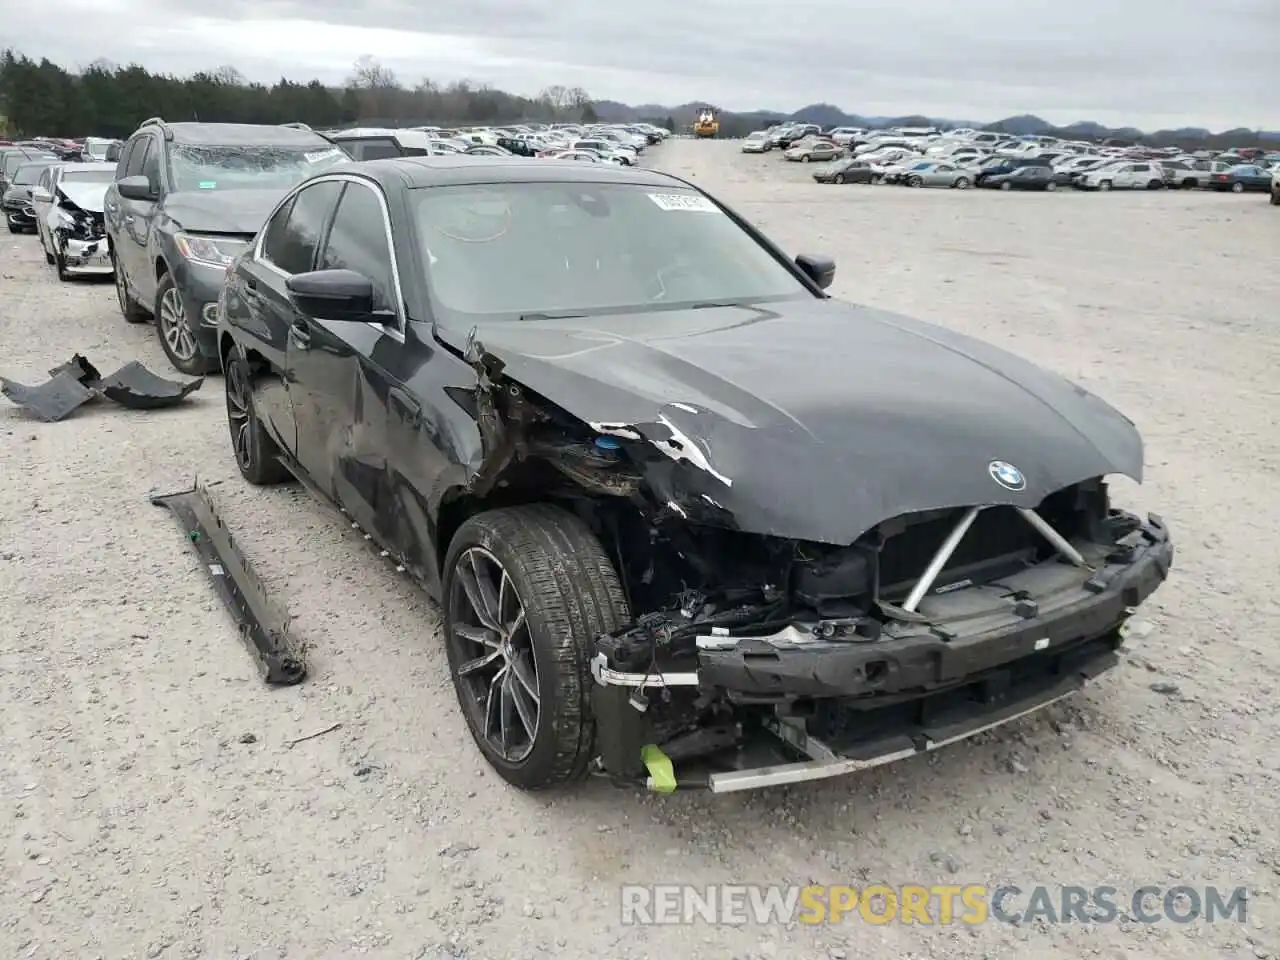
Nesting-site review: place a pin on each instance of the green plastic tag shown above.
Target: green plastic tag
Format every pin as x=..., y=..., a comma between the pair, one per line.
x=662, y=776
x=208, y=184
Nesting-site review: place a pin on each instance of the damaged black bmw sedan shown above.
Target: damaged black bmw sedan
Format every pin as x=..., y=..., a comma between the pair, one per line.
x=691, y=521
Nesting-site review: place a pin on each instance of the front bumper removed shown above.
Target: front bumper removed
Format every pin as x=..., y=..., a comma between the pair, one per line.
x=841, y=701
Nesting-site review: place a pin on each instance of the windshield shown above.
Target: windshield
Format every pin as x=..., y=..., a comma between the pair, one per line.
x=29, y=174
x=89, y=176
x=505, y=250
x=249, y=166
x=16, y=159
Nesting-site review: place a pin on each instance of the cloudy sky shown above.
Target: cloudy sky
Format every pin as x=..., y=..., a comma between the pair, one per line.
x=1149, y=63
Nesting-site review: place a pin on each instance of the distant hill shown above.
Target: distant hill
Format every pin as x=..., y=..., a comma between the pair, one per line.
x=828, y=115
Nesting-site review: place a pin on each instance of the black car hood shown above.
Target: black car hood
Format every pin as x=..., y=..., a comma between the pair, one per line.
x=817, y=420
x=222, y=211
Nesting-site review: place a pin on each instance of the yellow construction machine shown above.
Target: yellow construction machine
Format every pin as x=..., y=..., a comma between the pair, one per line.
x=707, y=124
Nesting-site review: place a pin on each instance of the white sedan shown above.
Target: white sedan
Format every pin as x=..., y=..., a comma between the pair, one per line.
x=68, y=201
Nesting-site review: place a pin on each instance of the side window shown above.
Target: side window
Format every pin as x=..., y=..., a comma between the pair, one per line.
x=138, y=157
x=1139, y=168
x=46, y=179
x=291, y=246
x=358, y=241
x=273, y=232
x=151, y=164
x=126, y=155
x=380, y=149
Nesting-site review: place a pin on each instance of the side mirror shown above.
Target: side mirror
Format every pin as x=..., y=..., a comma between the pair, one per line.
x=821, y=270
x=135, y=188
x=332, y=295
x=41, y=195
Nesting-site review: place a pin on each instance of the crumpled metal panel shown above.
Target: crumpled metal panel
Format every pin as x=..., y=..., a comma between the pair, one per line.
x=84, y=371
x=263, y=626
x=136, y=387
x=51, y=401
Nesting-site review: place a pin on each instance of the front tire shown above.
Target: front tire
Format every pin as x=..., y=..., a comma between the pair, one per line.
x=1051, y=186
x=1006, y=185
x=177, y=339
x=1237, y=187
x=256, y=453
x=839, y=178
x=526, y=591
x=1104, y=185
x=962, y=183
x=12, y=228
x=914, y=182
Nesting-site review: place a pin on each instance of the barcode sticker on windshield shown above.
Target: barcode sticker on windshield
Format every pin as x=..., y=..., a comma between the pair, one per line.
x=683, y=201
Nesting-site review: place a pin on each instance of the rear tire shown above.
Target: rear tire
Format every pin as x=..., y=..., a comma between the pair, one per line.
x=130, y=309
x=1006, y=185
x=962, y=183
x=559, y=574
x=838, y=178
x=1105, y=185
x=1237, y=187
x=1051, y=186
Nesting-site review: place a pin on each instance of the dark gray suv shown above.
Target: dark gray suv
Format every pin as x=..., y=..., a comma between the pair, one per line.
x=187, y=198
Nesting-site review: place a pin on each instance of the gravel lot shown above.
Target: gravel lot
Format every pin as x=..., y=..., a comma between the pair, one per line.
x=155, y=809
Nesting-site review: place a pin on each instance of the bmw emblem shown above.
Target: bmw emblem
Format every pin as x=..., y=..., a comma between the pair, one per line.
x=1007, y=475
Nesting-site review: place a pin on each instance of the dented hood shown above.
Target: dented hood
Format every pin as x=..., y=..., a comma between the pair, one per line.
x=817, y=420
x=89, y=197
x=222, y=211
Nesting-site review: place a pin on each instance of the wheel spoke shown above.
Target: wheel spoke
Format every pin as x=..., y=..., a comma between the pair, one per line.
x=527, y=676
x=526, y=712
x=479, y=663
x=479, y=590
x=483, y=636
x=493, y=707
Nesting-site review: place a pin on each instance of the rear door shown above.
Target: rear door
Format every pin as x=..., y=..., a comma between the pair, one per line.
x=48, y=183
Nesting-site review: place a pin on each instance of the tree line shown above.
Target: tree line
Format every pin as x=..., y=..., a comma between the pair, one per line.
x=42, y=98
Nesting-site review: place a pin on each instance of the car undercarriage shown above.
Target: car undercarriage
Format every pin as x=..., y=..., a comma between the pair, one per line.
x=753, y=660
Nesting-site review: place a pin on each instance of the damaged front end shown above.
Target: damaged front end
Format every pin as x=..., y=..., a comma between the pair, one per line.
x=79, y=238
x=754, y=659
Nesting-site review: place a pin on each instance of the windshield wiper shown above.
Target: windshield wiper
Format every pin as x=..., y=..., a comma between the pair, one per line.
x=552, y=316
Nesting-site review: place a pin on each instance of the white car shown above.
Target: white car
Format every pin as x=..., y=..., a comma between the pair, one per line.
x=606, y=149
x=757, y=142
x=1135, y=175
x=1275, y=186
x=68, y=204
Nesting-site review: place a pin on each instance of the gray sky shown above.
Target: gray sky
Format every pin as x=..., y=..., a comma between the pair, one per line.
x=1149, y=63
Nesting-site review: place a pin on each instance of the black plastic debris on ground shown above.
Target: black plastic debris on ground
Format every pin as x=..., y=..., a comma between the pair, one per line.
x=133, y=385
x=52, y=400
x=263, y=627
x=73, y=384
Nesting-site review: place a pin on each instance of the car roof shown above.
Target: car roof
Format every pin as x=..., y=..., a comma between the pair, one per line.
x=235, y=134
x=415, y=172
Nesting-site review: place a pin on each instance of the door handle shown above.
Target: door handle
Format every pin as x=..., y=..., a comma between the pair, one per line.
x=300, y=335
x=409, y=407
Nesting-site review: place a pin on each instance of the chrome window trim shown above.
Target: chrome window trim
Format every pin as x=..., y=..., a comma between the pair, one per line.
x=402, y=313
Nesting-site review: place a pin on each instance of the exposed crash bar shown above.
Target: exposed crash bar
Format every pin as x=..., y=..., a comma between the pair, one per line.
x=607, y=677
x=1059, y=542
x=940, y=559
x=822, y=769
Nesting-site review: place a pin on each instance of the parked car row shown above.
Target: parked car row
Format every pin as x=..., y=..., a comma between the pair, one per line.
x=183, y=200
x=959, y=159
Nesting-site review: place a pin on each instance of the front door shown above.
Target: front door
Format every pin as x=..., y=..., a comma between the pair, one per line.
x=132, y=219
x=290, y=242
x=342, y=392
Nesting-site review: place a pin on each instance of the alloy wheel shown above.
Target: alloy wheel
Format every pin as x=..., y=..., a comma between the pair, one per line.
x=497, y=664
x=174, y=326
x=239, y=414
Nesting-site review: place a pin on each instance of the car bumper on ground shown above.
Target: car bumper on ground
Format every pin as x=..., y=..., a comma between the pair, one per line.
x=916, y=687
